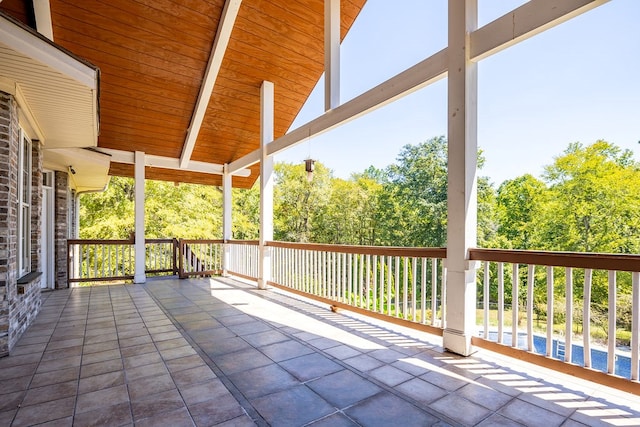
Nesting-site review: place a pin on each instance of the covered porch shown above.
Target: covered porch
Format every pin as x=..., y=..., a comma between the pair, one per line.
x=217, y=351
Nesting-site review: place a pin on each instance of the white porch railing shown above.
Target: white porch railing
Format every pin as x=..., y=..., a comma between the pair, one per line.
x=535, y=306
x=113, y=260
x=243, y=258
x=200, y=257
x=402, y=283
x=557, y=287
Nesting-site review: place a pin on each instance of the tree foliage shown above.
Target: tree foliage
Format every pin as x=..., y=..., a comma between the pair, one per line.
x=587, y=200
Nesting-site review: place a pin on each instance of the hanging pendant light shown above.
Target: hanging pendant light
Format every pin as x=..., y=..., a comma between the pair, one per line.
x=309, y=166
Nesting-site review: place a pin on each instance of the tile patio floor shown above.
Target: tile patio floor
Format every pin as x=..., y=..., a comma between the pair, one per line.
x=219, y=352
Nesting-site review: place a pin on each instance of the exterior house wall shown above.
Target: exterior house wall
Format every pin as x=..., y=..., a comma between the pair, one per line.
x=61, y=228
x=19, y=304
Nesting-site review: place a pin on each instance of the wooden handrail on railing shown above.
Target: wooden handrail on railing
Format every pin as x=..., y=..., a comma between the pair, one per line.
x=593, y=261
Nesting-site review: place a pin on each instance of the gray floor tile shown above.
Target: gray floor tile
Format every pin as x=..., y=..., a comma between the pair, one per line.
x=11, y=401
x=99, y=382
x=484, y=396
x=193, y=376
x=96, y=399
x=460, y=409
x=112, y=415
x=265, y=338
x=50, y=392
x=175, y=418
x=310, y=366
x=145, y=371
x=296, y=406
x=343, y=388
x=241, y=361
x=342, y=352
x=363, y=363
x=201, y=392
x=101, y=368
x=421, y=391
x=54, y=377
x=385, y=409
x=389, y=375
x=524, y=413
x=140, y=388
x=285, y=350
x=334, y=420
x=182, y=363
x=43, y=412
x=152, y=404
x=264, y=380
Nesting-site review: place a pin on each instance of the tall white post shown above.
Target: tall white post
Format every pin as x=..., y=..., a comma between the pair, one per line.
x=331, y=54
x=139, y=274
x=226, y=217
x=266, y=183
x=462, y=191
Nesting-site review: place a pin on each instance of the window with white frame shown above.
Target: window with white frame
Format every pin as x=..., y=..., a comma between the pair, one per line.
x=24, y=205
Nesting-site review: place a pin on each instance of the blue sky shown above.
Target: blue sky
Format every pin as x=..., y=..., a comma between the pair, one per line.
x=579, y=81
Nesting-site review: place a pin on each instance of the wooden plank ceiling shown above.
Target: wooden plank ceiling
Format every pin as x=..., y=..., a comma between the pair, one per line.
x=153, y=55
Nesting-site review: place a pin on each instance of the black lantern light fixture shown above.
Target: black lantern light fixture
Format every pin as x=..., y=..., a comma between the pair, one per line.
x=309, y=166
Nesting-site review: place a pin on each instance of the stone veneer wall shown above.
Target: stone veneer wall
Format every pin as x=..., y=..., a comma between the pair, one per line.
x=8, y=220
x=61, y=229
x=19, y=305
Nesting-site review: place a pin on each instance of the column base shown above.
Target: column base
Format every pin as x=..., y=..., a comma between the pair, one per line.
x=262, y=284
x=457, y=342
x=140, y=278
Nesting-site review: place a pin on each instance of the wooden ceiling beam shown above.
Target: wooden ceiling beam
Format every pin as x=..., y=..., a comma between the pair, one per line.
x=42, y=12
x=524, y=22
x=128, y=157
x=229, y=14
x=331, y=54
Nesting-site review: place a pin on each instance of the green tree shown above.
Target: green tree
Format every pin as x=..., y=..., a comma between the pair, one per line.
x=246, y=212
x=520, y=204
x=593, y=204
x=414, y=201
x=109, y=214
x=296, y=199
x=348, y=217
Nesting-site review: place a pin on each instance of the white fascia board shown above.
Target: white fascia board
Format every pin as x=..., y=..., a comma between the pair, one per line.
x=533, y=17
x=414, y=78
x=220, y=43
x=128, y=157
x=26, y=116
x=31, y=45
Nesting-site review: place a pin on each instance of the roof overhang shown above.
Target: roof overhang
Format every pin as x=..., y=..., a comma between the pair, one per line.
x=88, y=170
x=57, y=95
x=60, y=90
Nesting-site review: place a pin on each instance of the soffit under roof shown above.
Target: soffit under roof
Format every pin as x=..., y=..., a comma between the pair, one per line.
x=58, y=91
x=153, y=55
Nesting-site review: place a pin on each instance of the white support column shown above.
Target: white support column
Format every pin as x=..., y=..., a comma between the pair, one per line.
x=139, y=274
x=331, y=54
x=462, y=192
x=266, y=182
x=226, y=217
